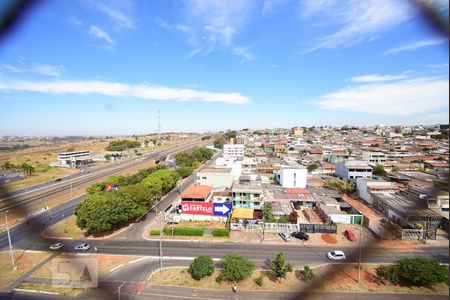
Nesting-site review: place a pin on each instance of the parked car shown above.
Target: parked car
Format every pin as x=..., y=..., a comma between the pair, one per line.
x=82, y=247
x=350, y=235
x=300, y=235
x=56, y=246
x=336, y=255
x=285, y=236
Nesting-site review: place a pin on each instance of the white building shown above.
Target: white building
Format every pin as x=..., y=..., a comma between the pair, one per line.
x=72, y=158
x=217, y=178
x=367, y=187
x=233, y=150
x=375, y=158
x=353, y=169
x=293, y=177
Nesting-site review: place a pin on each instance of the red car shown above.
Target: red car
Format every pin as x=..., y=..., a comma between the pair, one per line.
x=350, y=235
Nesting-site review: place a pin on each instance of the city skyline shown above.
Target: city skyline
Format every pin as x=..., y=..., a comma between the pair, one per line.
x=107, y=68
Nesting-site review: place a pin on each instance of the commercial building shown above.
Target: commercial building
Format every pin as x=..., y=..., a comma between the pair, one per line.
x=74, y=158
x=353, y=169
x=233, y=150
x=367, y=186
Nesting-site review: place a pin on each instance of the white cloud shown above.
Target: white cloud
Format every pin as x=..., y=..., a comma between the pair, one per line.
x=270, y=6
x=357, y=20
x=405, y=97
x=378, y=78
x=117, y=12
x=415, y=46
x=212, y=25
x=123, y=90
x=102, y=35
x=43, y=69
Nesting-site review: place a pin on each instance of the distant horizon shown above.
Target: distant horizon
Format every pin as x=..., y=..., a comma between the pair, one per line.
x=213, y=132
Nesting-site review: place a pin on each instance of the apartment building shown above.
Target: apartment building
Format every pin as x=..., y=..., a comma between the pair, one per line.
x=366, y=187
x=375, y=158
x=353, y=169
x=233, y=150
x=293, y=176
x=217, y=178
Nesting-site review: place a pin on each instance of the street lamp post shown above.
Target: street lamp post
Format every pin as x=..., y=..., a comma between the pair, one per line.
x=360, y=248
x=9, y=240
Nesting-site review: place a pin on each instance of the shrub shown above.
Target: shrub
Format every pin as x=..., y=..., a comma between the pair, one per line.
x=386, y=273
x=201, y=267
x=221, y=232
x=307, y=273
x=421, y=271
x=236, y=267
x=279, y=267
x=259, y=281
x=184, y=231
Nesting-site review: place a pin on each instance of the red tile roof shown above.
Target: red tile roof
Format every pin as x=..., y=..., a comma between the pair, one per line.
x=196, y=192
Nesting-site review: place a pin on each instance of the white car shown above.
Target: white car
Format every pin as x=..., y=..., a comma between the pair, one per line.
x=336, y=255
x=56, y=246
x=83, y=247
x=285, y=236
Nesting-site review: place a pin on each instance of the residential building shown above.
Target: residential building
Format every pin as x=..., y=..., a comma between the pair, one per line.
x=233, y=150
x=198, y=193
x=375, y=158
x=434, y=198
x=247, y=195
x=293, y=176
x=353, y=169
x=297, y=131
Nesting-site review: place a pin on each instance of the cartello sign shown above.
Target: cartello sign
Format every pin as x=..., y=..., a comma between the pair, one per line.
x=197, y=208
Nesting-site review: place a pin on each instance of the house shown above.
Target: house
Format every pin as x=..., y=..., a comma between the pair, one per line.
x=336, y=157
x=353, y=169
x=367, y=186
x=434, y=198
x=217, y=178
x=197, y=193
x=233, y=150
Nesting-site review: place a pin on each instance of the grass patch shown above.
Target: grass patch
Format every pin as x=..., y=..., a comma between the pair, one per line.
x=68, y=292
x=24, y=262
x=154, y=232
x=220, y=232
x=183, y=231
x=66, y=228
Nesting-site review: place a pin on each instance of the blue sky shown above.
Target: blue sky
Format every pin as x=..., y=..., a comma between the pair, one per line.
x=107, y=67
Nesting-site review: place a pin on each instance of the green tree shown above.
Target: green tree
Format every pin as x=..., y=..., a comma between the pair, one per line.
x=312, y=167
x=96, y=187
x=219, y=141
x=140, y=193
x=267, y=213
x=184, y=171
x=103, y=211
x=201, y=267
x=379, y=170
x=8, y=166
x=279, y=268
x=27, y=168
x=340, y=186
x=108, y=156
x=422, y=271
x=235, y=268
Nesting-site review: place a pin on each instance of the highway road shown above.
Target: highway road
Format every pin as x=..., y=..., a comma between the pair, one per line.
x=24, y=201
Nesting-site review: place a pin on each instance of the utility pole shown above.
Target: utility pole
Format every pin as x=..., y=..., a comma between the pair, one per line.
x=360, y=248
x=11, y=254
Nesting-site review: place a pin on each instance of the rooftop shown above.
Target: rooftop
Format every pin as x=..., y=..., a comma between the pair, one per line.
x=196, y=192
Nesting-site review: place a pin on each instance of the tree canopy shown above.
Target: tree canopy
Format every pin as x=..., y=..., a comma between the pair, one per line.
x=379, y=170
x=105, y=211
x=279, y=267
x=122, y=145
x=201, y=267
x=340, y=186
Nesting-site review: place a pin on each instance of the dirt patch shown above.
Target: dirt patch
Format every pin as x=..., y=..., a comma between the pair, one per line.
x=329, y=238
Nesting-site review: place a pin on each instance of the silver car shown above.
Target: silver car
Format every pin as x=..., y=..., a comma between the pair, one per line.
x=56, y=246
x=83, y=247
x=285, y=236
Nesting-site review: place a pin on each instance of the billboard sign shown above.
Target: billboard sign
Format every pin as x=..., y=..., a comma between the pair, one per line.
x=111, y=187
x=222, y=209
x=197, y=208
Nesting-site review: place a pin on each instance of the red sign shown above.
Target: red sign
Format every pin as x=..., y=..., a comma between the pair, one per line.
x=197, y=208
